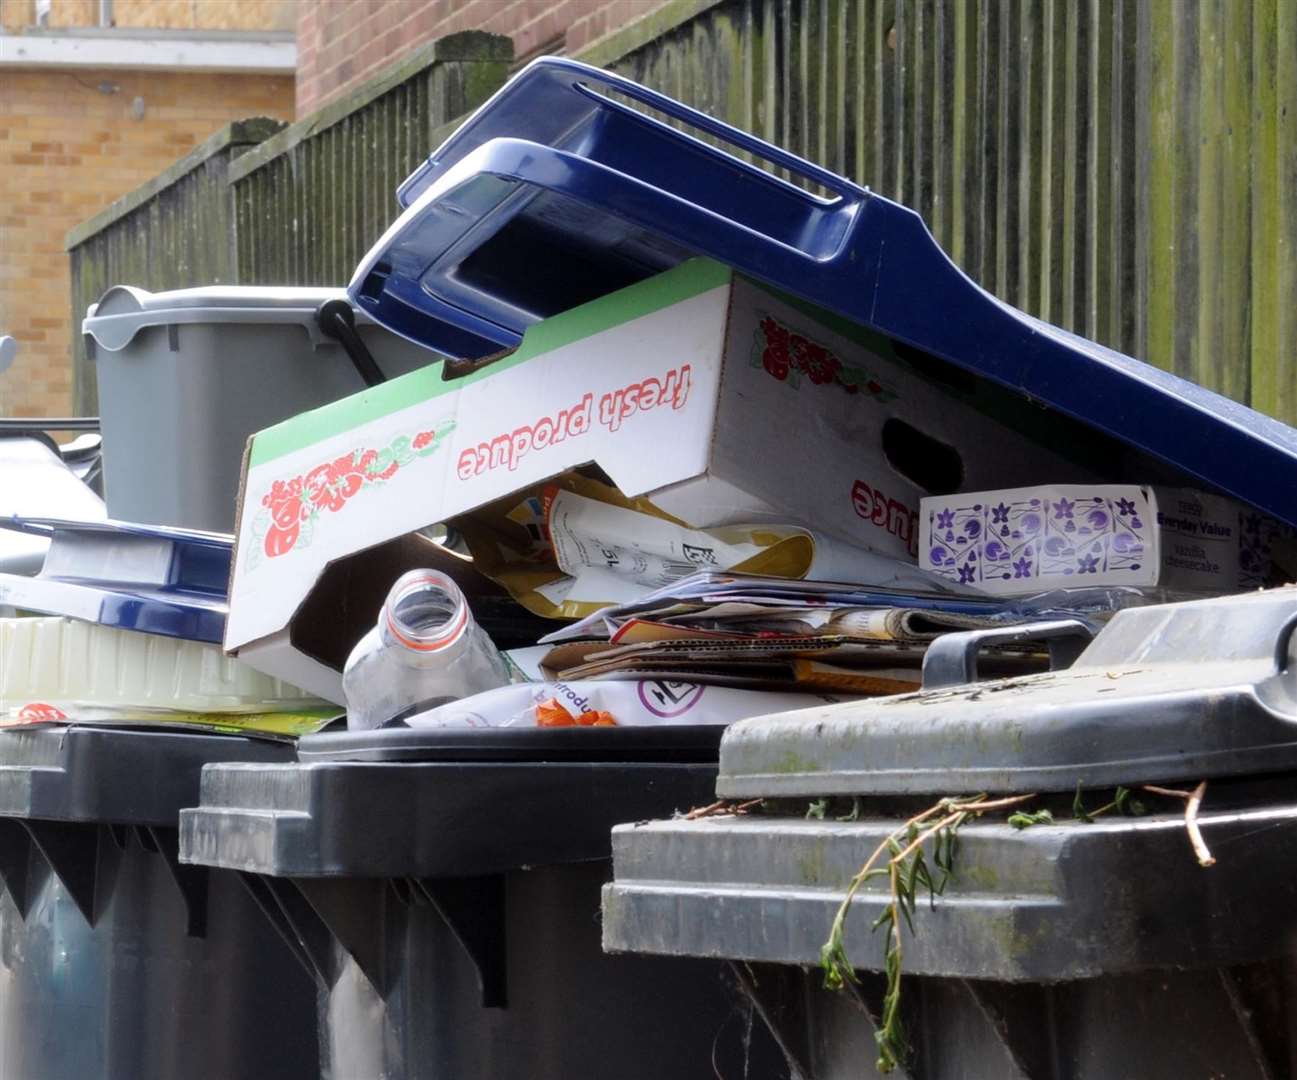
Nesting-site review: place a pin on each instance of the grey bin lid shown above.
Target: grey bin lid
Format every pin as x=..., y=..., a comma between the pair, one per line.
x=1175, y=692
x=123, y=311
x=1040, y=905
x=51, y=776
x=117, y=775
x=425, y=819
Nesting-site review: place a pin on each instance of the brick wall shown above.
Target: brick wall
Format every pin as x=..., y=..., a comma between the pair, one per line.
x=341, y=43
x=67, y=150
x=169, y=14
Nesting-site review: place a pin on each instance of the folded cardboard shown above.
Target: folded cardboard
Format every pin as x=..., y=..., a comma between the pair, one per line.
x=724, y=402
x=1030, y=540
x=825, y=662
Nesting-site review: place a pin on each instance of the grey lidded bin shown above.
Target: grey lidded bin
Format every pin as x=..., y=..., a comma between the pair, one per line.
x=1086, y=951
x=186, y=376
x=117, y=962
x=444, y=887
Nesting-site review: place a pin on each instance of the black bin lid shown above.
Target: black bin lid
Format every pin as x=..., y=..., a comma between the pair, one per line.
x=1170, y=692
x=669, y=743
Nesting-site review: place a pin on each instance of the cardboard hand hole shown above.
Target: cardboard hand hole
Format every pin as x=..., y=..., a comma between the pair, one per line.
x=921, y=459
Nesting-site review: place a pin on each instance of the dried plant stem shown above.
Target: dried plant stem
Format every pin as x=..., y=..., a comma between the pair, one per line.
x=906, y=871
x=1205, y=857
x=981, y=806
x=861, y=876
x=721, y=807
x=1192, y=804
x=705, y=811
x=1173, y=793
x=960, y=810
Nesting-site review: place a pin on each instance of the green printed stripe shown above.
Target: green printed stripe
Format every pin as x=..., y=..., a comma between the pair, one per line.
x=682, y=282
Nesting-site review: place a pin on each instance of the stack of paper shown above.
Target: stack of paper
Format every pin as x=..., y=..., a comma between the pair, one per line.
x=749, y=631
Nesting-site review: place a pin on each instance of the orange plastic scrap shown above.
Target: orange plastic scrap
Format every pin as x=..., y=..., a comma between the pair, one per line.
x=551, y=713
x=595, y=718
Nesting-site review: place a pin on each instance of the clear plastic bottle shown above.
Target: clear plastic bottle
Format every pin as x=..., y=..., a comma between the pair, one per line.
x=425, y=650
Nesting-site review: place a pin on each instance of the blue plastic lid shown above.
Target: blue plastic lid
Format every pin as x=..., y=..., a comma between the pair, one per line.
x=561, y=189
x=147, y=578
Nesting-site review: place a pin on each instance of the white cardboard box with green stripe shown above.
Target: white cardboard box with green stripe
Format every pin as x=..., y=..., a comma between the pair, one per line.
x=720, y=400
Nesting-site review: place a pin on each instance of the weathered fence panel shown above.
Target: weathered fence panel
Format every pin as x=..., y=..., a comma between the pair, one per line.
x=1123, y=168
x=1220, y=219
x=310, y=201
x=1009, y=125
x=174, y=232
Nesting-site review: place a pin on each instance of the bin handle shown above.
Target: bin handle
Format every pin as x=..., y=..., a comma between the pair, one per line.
x=585, y=81
x=522, y=162
x=951, y=660
x=600, y=89
x=703, y=229
x=1283, y=642
x=337, y=320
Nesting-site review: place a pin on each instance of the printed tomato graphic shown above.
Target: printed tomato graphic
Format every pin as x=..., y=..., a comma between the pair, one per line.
x=37, y=712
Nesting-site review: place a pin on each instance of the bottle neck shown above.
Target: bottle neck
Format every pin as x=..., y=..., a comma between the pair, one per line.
x=425, y=614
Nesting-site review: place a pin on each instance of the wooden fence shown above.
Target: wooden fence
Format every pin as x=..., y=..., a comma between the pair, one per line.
x=1123, y=168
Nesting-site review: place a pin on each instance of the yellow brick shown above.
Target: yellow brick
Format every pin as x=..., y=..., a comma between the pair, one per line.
x=74, y=13
x=16, y=14
x=93, y=153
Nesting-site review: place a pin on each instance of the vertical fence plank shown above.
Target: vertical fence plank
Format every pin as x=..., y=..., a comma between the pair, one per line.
x=317, y=195
x=1161, y=184
x=962, y=75
x=1273, y=255
x=1121, y=167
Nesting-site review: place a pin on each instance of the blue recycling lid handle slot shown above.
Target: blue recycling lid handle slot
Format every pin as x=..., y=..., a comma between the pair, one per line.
x=560, y=95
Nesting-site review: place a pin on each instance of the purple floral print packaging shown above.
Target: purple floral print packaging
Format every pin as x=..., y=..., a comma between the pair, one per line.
x=1029, y=540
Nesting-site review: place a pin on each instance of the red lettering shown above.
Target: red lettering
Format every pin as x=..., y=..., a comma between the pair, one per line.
x=862, y=499
x=887, y=513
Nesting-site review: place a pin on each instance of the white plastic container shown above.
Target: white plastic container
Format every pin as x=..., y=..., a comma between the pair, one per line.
x=62, y=663
x=186, y=376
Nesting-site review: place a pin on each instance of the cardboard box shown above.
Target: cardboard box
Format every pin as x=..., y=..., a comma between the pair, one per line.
x=722, y=401
x=1022, y=541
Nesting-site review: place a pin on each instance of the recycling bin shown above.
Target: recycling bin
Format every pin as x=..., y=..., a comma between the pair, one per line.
x=117, y=962
x=186, y=375
x=443, y=891
x=1067, y=948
